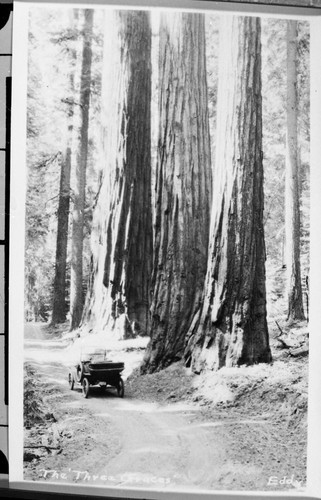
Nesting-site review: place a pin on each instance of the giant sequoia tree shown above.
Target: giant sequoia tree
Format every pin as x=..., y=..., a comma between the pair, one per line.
x=122, y=226
x=183, y=187
x=292, y=195
x=231, y=328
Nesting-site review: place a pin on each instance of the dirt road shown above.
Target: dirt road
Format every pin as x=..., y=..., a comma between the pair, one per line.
x=116, y=442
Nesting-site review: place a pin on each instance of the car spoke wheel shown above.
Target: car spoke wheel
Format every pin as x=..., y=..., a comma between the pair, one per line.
x=80, y=372
x=85, y=387
x=71, y=381
x=120, y=388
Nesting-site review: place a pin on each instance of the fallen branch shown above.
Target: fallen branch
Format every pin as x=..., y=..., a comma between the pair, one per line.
x=283, y=344
x=300, y=351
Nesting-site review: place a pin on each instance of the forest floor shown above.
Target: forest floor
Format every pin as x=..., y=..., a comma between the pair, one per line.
x=237, y=429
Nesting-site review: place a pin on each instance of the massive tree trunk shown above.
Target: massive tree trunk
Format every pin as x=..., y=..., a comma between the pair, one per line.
x=119, y=292
x=183, y=187
x=76, y=278
x=231, y=328
x=292, y=196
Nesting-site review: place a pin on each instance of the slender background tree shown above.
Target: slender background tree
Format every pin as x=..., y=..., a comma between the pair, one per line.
x=292, y=190
x=60, y=305
x=79, y=191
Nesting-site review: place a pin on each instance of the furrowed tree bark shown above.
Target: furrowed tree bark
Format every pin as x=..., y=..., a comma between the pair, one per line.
x=292, y=195
x=76, y=276
x=231, y=328
x=119, y=292
x=183, y=188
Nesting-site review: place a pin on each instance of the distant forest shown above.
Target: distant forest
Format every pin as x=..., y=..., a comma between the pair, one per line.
x=168, y=179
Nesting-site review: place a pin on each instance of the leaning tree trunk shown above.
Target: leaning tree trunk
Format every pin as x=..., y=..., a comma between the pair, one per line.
x=76, y=277
x=183, y=187
x=292, y=197
x=231, y=328
x=119, y=290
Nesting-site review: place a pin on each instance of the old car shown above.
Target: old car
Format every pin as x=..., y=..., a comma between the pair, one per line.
x=95, y=369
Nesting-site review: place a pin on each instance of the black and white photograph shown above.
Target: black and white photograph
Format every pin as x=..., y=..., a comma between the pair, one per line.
x=166, y=249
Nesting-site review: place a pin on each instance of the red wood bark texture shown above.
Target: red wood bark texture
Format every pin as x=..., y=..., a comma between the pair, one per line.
x=231, y=328
x=183, y=187
x=122, y=227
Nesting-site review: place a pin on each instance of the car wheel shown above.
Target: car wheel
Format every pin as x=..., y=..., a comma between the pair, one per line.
x=71, y=381
x=85, y=387
x=80, y=372
x=120, y=388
